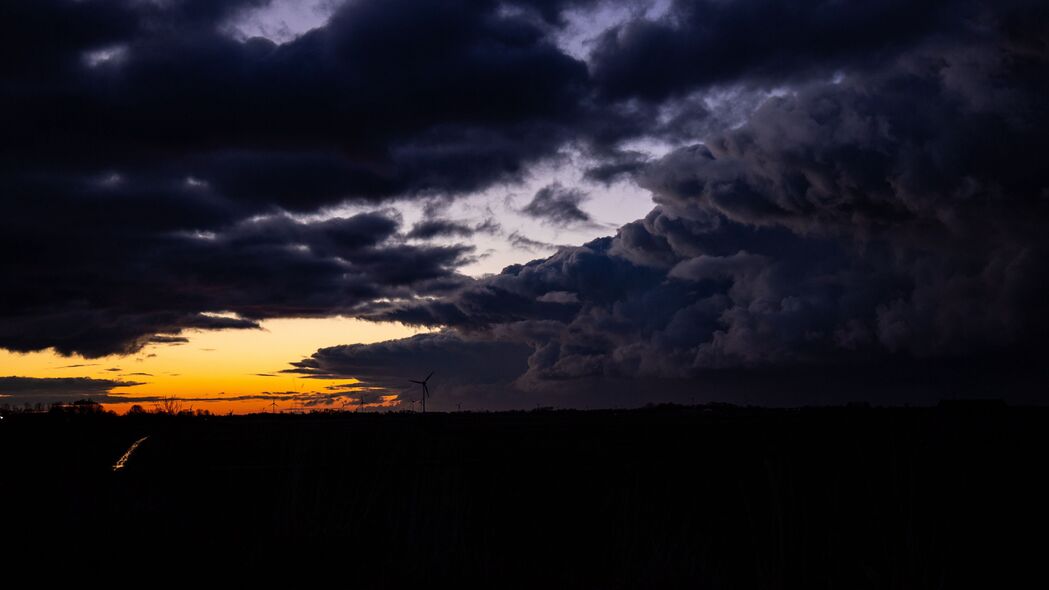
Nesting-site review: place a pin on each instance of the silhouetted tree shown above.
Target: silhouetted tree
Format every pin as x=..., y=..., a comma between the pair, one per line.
x=170, y=406
x=87, y=407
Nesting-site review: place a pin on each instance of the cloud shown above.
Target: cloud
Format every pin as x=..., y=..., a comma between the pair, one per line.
x=19, y=390
x=526, y=243
x=558, y=205
x=609, y=171
x=330, y=115
x=305, y=398
x=151, y=161
x=254, y=269
x=162, y=156
x=888, y=220
x=704, y=42
x=836, y=185
x=434, y=228
x=439, y=228
x=457, y=363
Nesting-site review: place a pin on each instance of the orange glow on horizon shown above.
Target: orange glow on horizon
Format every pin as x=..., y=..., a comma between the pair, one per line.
x=215, y=366
x=258, y=406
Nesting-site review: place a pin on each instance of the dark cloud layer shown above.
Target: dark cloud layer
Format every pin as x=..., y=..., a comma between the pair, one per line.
x=340, y=112
x=103, y=294
x=473, y=364
x=888, y=220
x=703, y=42
x=870, y=194
x=446, y=228
x=142, y=146
x=17, y=391
x=21, y=390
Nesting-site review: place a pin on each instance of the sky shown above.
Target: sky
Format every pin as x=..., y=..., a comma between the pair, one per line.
x=263, y=204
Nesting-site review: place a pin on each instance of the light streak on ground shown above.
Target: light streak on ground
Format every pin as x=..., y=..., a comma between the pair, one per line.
x=123, y=459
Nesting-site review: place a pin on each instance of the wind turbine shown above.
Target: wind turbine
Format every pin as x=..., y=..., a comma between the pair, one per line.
x=426, y=390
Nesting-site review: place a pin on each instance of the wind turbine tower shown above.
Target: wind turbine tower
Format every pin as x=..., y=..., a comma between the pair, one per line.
x=426, y=390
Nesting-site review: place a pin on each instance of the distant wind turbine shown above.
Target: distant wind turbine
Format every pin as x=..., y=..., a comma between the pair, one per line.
x=426, y=390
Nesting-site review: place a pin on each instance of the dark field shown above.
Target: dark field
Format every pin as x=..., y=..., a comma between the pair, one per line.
x=664, y=497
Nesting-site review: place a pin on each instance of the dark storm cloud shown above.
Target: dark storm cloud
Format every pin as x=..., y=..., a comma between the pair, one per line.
x=886, y=222
x=458, y=364
x=20, y=390
x=140, y=142
x=333, y=114
x=703, y=42
x=885, y=203
x=256, y=269
x=438, y=228
x=625, y=166
x=173, y=340
x=558, y=205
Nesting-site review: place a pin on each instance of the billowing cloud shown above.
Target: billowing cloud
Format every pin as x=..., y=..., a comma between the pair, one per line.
x=333, y=114
x=836, y=184
x=882, y=220
x=481, y=366
x=150, y=158
x=705, y=42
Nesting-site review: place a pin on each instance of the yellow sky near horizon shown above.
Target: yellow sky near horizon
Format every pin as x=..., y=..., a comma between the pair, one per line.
x=214, y=364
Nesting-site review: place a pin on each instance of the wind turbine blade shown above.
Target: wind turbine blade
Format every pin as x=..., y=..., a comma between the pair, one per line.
x=414, y=381
x=428, y=376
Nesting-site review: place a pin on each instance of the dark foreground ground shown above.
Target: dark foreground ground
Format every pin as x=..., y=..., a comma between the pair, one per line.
x=668, y=497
